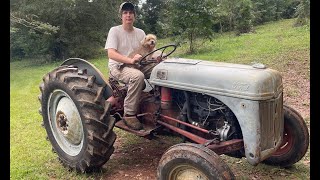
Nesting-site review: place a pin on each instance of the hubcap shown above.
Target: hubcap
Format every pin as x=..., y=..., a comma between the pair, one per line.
x=65, y=122
x=187, y=172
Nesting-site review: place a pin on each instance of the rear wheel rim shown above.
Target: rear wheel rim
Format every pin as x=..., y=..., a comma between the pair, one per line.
x=186, y=172
x=65, y=122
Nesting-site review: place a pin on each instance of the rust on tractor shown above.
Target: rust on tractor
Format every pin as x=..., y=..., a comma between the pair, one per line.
x=218, y=147
x=166, y=98
x=116, y=103
x=187, y=124
x=61, y=120
x=227, y=146
x=187, y=134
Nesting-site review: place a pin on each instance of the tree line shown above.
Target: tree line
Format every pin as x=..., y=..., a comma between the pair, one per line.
x=56, y=30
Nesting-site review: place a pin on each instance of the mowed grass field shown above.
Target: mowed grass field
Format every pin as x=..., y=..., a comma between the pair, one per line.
x=275, y=44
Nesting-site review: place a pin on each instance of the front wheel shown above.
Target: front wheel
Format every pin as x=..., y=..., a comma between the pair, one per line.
x=192, y=161
x=295, y=140
x=76, y=118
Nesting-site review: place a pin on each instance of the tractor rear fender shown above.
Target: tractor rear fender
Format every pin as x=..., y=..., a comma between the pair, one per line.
x=91, y=70
x=253, y=93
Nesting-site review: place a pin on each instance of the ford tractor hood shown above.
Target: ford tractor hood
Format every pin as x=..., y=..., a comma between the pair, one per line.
x=254, y=82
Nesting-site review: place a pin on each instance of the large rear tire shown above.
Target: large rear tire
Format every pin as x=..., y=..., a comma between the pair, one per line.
x=295, y=140
x=192, y=161
x=76, y=118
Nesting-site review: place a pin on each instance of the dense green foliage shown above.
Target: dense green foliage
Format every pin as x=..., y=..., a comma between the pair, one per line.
x=244, y=17
x=150, y=16
x=190, y=19
x=81, y=27
x=303, y=12
x=78, y=28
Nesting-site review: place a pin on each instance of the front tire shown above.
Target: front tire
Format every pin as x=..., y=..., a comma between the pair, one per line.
x=295, y=140
x=192, y=161
x=76, y=118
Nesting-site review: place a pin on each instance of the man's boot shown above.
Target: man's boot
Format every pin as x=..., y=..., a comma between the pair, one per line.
x=132, y=122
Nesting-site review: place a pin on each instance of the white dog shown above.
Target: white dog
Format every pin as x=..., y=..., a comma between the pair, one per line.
x=148, y=44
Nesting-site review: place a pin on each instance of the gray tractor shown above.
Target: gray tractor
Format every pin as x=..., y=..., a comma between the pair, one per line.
x=216, y=108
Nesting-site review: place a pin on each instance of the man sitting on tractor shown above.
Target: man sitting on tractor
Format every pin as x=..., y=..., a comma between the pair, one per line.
x=122, y=40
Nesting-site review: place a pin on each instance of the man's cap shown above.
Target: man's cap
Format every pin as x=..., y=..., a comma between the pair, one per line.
x=126, y=6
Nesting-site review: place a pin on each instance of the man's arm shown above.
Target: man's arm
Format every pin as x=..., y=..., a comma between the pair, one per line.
x=115, y=55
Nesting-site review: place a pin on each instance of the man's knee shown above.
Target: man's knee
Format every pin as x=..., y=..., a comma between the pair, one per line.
x=137, y=77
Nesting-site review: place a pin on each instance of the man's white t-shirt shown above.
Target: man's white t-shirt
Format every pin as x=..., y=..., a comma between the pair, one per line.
x=124, y=42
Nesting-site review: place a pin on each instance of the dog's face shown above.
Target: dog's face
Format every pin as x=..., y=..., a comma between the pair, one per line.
x=149, y=41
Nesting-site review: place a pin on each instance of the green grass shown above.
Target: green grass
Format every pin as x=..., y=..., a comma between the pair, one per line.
x=274, y=44
x=266, y=43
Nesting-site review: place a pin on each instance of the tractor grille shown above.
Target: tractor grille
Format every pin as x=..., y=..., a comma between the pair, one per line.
x=271, y=117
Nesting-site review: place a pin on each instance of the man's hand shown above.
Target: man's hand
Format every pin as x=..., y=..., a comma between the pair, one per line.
x=136, y=58
x=115, y=55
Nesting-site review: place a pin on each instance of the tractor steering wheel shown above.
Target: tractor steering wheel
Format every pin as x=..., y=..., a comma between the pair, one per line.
x=144, y=61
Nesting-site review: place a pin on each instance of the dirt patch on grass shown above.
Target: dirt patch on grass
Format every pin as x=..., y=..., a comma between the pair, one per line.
x=138, y=160
x=295, y=71
x=297, y=89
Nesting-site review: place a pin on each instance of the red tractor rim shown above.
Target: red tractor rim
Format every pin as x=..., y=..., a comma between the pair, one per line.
x=287, y=142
